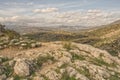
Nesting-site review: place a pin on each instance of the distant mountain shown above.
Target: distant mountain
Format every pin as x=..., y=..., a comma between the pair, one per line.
x=104, y=37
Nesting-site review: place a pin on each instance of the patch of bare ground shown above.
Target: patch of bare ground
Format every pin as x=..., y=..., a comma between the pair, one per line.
x=13, y=52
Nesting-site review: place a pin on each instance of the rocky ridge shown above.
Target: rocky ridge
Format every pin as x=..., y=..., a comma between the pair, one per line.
x=60, y=61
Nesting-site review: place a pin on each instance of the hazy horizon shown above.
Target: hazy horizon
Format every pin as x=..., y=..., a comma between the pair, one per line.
x=56, y=12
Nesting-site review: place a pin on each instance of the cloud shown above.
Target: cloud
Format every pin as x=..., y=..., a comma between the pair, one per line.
x=1, y=19
x=94, y=11
x=46, y=10
x=69, y=18
x=18, y=3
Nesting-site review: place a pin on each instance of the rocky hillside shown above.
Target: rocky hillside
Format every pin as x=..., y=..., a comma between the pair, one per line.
x=105, y=37
x=10, y=38
x=59, y=61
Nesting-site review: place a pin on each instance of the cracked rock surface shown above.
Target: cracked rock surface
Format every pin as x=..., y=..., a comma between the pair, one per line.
x=52, y=61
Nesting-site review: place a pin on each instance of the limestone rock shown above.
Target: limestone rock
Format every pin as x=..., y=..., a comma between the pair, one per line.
x=3, y=77
x=22, y=67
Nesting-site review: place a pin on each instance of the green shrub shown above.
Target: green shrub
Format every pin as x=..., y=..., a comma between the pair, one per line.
x=65, y=76
x=115, y=77
x=67, y=45
x=77, y=57
x=40, y=60
x=99, y=62
x=16, y=77
x=8, y=70
x=11, y=34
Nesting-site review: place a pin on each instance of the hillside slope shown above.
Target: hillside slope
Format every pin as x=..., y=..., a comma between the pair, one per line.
x=60, y=61
x=106, y=37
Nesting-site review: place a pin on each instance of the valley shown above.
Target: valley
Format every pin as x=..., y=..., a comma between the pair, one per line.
x=52, y=54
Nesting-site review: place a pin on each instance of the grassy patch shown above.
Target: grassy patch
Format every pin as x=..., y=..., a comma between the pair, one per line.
x=77, y=57
x=11, y=34
x=57, y=70
x=65, y=76
x=45, y=78
x=67, y=45
x=64, y=65
x=16, y=77
x=4, y=59
x=101, y=62
x=84, y=71
x=8, y=70
x=40, y=60
x=115, y=77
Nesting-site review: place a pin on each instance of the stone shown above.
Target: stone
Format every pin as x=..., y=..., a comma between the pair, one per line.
x=81, y=77
x=23, y=44
x=12, y=62
x=3, y=77
x=1, y=47
x=33, y=45
x=65, y=59
x=22, y=67
x=11, y=78
x=52, y=75
x=38, y=78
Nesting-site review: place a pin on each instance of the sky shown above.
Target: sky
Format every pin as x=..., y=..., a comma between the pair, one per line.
x=59, y=12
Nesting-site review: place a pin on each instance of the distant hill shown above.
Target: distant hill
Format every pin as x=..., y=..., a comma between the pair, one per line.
x=7, y=32
x=104, y=37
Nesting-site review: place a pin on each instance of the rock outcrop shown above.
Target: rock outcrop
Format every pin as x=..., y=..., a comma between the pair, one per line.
x=22, y=67
x=52, y=61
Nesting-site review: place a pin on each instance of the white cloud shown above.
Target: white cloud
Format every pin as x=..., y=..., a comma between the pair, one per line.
x=46, y=10
x=94, y=11
x=15, y=18
x=69, y=18
x=19, y=3
x=1, y=19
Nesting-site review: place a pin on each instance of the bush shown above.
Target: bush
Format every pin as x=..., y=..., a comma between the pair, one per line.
x=65, y=76
x=40, y=60
x=67, y=45
x=11, y=34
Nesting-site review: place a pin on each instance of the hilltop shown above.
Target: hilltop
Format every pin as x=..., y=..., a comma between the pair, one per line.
x=60, y=61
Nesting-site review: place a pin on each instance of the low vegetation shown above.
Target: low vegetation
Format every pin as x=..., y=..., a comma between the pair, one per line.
x=66, y=76
x=43, y=59
x=60, y=64
x=106, y=37
x=10, y=38
x=67, y=45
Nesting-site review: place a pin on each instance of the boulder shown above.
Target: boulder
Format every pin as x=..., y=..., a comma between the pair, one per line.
x=3, y=77
x=38, y=78
x=33, y=45
x=22, y=67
